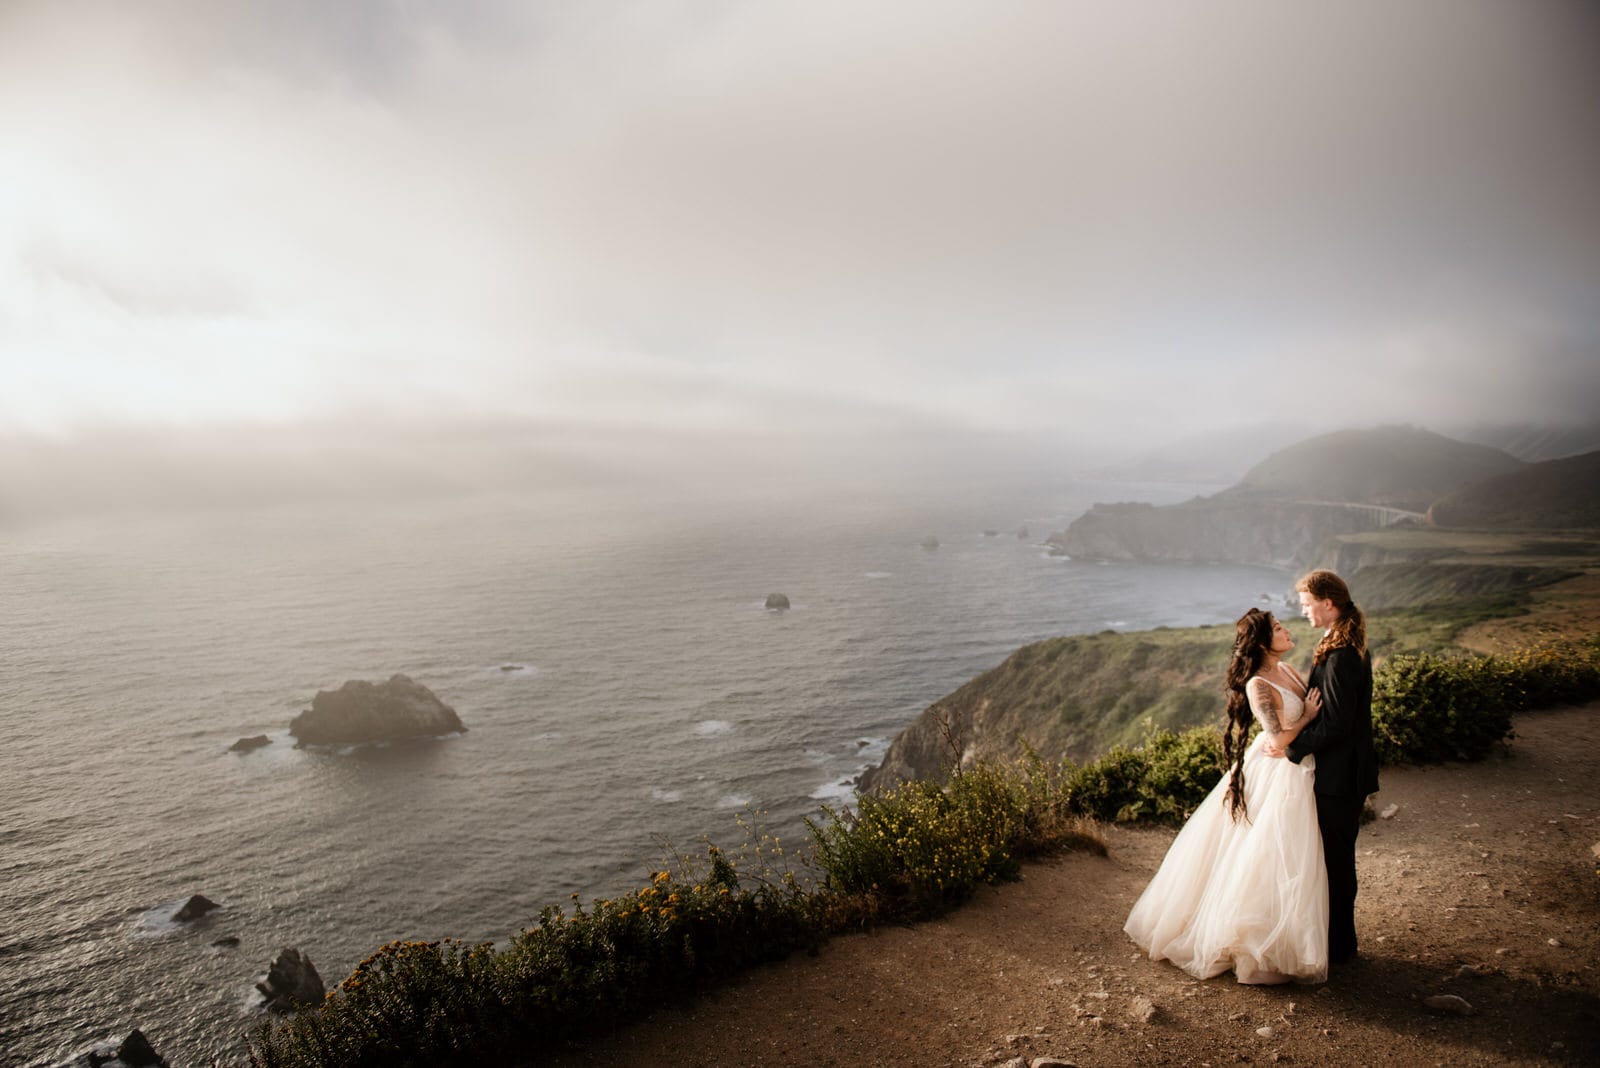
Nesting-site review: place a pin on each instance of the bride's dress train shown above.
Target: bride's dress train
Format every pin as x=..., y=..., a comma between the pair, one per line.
x=1252, y=895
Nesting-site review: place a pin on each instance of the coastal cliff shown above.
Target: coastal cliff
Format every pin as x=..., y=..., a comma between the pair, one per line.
x=1237, y=528
x=1287, y=508
x=1074, y=696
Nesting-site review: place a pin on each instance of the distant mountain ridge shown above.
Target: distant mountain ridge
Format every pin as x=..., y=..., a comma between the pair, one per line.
x=1400, y=467
x=1292, y=503
x=1535, y=444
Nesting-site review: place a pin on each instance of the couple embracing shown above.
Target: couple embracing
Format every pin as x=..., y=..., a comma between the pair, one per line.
x=1262, y=879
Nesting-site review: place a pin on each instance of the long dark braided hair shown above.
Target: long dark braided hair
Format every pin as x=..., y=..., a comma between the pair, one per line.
x=1252, y=637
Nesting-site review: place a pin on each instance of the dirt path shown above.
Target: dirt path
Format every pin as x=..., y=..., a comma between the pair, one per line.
x=1485, y=865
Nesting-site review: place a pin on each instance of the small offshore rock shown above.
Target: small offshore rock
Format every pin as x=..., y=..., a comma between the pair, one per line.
x=1448, y=1003
x=1388, y=812
x=1143, y=1009
x=245, y=745
x=196, y=907
x=930, y=542
x=777, y=600
x=134, y=1052
x=291, y=980
x=373, y=712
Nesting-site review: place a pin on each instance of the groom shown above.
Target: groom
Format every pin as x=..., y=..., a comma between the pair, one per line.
x=1341, y=738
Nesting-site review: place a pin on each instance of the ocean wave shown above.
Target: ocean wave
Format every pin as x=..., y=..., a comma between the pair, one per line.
x=872, y=749
x=840, y=789
x=713, y=728
x=877, y=574
x=666, y=797
x=734, y=801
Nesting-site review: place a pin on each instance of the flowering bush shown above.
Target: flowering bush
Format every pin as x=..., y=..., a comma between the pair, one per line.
x=430, y=1003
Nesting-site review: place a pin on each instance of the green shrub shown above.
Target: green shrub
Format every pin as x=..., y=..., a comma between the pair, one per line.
x=920, y=848
x=1428, y=707
x=1165, y=779
x=433, y=1003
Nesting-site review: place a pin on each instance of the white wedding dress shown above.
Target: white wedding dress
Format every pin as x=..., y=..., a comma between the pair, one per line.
x=1252, y=895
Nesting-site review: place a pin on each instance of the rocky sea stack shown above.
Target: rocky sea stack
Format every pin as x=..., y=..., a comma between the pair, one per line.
x=196, y=907
x=291, y=981
x=373, y=712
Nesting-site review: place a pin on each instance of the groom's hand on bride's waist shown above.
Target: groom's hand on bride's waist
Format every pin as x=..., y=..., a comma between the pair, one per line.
x=1272, y=749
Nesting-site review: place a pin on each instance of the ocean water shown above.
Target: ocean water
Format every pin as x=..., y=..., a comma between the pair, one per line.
x=622, y=684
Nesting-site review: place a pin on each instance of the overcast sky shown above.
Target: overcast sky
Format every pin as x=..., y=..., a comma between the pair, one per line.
x=1051, y=218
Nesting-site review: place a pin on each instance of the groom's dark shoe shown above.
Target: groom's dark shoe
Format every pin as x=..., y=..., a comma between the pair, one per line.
x=1345, y=958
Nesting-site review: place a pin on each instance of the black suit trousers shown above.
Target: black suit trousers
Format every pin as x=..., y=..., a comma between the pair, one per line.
x=1339, y=818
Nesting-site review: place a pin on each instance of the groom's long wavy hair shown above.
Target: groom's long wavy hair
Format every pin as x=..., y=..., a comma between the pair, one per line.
x=1252, y=637
x=1350, y=629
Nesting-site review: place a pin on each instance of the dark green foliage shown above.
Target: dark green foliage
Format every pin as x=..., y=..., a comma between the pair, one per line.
x=438, y=1003
x=1428, y=707
x=1164, y=779
x=921, y=848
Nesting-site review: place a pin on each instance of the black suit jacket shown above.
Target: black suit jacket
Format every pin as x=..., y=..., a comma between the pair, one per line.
x=1341, y=736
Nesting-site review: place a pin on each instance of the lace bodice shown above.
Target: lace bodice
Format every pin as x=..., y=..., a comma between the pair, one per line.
x=1259, y=691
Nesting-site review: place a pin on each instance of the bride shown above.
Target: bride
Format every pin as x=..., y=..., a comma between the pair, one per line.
x=1243, y=886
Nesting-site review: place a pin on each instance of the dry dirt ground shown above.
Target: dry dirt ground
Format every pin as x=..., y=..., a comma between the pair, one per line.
x=1484, y=884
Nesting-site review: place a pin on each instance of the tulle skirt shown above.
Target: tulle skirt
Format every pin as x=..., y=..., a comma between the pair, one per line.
x=1247, y=896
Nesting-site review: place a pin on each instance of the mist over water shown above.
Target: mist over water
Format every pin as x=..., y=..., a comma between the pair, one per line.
x=622, y=684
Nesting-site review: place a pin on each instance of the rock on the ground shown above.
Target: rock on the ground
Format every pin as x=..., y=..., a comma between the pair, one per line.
x=1448, y=1003
x=1142, y=1009
x=227, y=942
x=1051, y=1062
x=196, y=907
x=373, y=712
x=777, y=600
x=290, y=981
x=1389, y=812
x=244, y=745
x=1266, y=1031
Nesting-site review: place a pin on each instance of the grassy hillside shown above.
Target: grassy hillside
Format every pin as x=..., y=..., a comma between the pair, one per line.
x=1553, y=495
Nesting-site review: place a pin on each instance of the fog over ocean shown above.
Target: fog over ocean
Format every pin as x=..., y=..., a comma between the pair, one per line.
x=650, y=697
